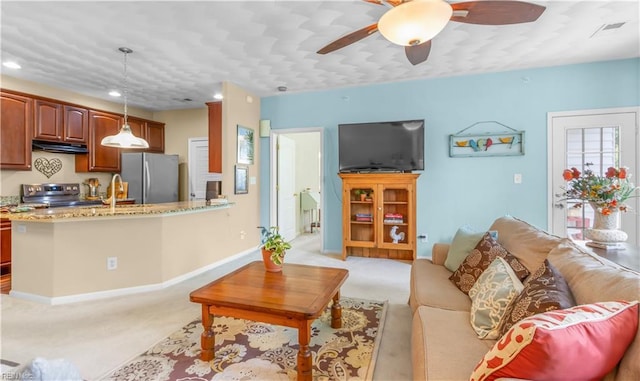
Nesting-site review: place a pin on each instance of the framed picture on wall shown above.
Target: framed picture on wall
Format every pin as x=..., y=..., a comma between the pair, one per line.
x=245, y=145
x=242, y=179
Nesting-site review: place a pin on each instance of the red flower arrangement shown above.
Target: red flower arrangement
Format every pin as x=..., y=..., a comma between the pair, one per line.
x=606, y=193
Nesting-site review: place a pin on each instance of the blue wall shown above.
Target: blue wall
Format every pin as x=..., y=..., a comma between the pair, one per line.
x=457, y=191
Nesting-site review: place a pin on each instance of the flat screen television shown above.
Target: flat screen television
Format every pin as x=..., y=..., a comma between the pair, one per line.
x=381, y=146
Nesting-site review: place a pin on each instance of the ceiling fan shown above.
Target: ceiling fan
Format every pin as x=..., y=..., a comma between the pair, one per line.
x=414, y=23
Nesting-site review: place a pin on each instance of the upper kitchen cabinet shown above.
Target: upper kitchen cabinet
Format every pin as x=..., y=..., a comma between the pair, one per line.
x=154, y=134
x=61, y=123
x=137, y=127
x=47, y=120
x=100, y=158
x=16, y=119
x=76, y=124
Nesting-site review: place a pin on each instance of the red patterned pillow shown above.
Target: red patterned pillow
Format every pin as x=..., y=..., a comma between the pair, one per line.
x=545, y=290
x=485, y=252
x=580, y=343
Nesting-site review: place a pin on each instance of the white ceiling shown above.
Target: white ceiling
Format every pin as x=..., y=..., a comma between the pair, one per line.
x=185, y=49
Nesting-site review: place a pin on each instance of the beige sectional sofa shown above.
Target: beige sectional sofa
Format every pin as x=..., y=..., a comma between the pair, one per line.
x=445, y=346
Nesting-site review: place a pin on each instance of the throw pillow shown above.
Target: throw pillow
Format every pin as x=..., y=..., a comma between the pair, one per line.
x=490, y=296
x=545, y=290
x=485, y=252
x=580, y=343
x=463, y=242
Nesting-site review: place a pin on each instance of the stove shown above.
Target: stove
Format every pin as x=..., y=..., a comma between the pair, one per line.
x=54, y=195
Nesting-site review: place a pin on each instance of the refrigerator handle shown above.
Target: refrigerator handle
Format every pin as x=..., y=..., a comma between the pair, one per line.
x=147, y=176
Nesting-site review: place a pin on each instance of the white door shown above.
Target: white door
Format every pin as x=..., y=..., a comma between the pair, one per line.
x=604, y=138
x=199, y=168
x=287, y=195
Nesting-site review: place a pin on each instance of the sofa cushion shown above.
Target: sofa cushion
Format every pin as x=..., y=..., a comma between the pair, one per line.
x=490, y=296
x=595, y=279
x=580, y=343
x=544, y=290
x=443, y=345
x=479, y=259
x=524, y=241
x=465, y=239
x=430, y=286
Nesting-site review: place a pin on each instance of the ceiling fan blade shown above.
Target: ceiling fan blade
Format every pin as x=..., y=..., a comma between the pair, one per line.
x=349, y=39
x=394, y=3
x=418, y=53
x=492, y=12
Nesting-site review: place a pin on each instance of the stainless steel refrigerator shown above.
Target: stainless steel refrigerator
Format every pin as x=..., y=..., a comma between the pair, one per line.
x=152, y=177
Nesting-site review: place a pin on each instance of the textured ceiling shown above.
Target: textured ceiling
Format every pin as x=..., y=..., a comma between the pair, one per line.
x=186, y=49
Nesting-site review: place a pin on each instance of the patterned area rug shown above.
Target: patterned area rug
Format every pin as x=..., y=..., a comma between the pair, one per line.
x=247, y=350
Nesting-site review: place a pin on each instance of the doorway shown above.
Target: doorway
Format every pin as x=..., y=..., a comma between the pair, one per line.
x=296, y=172
x=601, y=138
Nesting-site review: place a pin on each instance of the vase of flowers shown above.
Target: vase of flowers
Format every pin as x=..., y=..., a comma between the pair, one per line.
x=607, y=196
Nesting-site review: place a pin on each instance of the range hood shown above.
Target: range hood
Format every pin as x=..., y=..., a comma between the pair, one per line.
x=58, y=147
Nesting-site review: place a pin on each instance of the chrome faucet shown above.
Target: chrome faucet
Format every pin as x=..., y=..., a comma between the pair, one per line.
x=113, y=190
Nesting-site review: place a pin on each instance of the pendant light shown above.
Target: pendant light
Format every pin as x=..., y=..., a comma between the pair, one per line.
x=124, y=138
x=415, y=22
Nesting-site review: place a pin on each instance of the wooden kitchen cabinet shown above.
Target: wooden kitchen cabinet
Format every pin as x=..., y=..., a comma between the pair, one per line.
x=5, y=245
x=16, y=120
x=137, y=127
x=215, y=136
x=100, y=158
x=47, y=121
x=54, y=121
x=75, y=124
x=388, y=211
x=154, y=134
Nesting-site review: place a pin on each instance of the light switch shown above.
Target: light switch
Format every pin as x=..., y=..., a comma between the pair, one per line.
x=252, y=180
x=517, y=178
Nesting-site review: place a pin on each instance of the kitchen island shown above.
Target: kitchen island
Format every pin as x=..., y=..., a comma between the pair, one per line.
x=63, y=255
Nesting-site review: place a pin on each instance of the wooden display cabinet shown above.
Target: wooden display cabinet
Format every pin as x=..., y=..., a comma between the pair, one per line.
x=379, y=215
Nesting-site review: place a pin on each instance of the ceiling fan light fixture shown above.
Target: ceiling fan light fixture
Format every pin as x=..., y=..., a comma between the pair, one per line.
x=415, y=22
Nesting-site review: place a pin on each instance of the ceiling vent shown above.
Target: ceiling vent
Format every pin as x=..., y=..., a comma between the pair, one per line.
x=607, y=29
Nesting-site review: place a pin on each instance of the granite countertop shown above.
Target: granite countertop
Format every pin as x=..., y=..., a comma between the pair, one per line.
x=104, y=211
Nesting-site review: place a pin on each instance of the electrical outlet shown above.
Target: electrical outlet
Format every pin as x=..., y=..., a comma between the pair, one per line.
x=517, y=178
x=112, y=263
x=242, y=234
x=423, y=237
x=22, y=228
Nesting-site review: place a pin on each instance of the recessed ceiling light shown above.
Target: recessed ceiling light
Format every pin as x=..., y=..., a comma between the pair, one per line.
x=217, y=96
x=114, y=93
x=11, y=65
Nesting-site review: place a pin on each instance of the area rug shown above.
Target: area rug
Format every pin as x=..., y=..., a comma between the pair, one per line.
x=248, y=350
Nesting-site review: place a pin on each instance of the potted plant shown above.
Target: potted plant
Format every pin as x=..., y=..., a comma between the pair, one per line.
x=360, y=194
x=274, y=248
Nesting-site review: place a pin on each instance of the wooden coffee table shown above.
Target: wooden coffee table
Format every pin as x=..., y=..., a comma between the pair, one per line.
x=293, y=298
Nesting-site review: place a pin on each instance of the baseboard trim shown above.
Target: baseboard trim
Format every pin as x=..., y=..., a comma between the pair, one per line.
x=128, y=290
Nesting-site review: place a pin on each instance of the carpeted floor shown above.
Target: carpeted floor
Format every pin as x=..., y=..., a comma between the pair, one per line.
x=250, y=350
x=98, y=336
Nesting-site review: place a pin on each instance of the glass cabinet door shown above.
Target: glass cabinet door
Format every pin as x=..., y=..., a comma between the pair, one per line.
x=395, y=217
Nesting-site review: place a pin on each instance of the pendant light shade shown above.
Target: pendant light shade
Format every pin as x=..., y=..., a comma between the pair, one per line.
x=415, y=22
x=124, y=138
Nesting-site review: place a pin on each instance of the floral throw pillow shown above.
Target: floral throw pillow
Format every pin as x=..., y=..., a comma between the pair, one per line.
x=490, y=296
x=545, y=290
x=579, y=343
x=485, y=252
